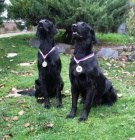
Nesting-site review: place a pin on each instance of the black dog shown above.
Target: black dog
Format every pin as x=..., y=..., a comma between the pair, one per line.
x=86, y=77
x=49, y=84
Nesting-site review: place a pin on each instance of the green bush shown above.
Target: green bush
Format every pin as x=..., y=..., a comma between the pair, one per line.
x=103, y=15
x=130, y=22
x=2, y=6
x=58, y=37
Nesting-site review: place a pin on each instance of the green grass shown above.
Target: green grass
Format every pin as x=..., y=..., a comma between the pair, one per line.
x=118, y=122
x=117, y=39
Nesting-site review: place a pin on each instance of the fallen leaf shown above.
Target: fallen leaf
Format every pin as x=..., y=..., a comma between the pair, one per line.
x=32, y=129
x=127, y=73
x=15, y=118
x=66, y=91
x=13, y=46
x=9, y=125
x=13, y=93
x=21, y=112
x=102, y=115
x=7, y=136
x=11, y=60
x=25, y=105
x=50, y=125
x=131, y=81
x=27, y=125
x=119, y=95
x=132, y=139
x=28, y=74
x=6, y=119
x=133, y=73
x=21, y=102
x=14, y=72
x=11, y=55
x=2, y=85
x=27, y=63
x=106, y=74
x=108, y=64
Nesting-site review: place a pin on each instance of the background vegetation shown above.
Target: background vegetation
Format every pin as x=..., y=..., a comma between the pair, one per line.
x=130, y=22
x=2, y=5
x=103, y=15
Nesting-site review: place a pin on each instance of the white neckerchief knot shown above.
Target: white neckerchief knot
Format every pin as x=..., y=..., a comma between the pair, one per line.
x=45, y=55
x=84, y=58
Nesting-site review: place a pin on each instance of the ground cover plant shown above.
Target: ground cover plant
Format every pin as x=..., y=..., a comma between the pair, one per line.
x=22, y=118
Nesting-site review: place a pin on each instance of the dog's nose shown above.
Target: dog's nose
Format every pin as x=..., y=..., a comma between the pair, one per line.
x=74, y=26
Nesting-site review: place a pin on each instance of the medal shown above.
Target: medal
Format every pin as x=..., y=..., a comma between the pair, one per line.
x=44, y=64
x=79, y=68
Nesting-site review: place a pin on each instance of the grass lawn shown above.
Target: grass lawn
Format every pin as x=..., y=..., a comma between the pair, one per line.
x=117, y=39
x=37, y=123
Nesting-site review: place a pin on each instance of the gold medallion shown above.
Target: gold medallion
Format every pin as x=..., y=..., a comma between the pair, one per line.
x=44, y=64
x=79, y=68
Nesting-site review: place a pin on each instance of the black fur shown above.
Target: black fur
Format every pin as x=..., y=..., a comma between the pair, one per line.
x=94, y=87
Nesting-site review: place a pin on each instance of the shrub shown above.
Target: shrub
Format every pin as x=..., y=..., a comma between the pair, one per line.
x=130, y=22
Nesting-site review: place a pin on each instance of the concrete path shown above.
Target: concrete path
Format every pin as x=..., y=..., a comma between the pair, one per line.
x=15, y=34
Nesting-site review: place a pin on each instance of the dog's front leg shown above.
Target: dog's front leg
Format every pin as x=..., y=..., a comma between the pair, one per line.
x=75, y=95
x=88, y=104
x=58, y=96
x=46, y=97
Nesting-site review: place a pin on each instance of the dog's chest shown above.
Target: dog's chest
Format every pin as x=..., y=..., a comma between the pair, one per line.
x=84, y=78
x=48, y=61
x=80, y=69
x=86, y=67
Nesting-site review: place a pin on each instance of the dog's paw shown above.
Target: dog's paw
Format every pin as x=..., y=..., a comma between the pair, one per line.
x=59, y=105
x=47, y=106
x=82, y=119
x=70, y=116
x=40, y=101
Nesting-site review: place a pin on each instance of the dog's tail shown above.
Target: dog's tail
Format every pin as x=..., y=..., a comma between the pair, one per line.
x=29, y=92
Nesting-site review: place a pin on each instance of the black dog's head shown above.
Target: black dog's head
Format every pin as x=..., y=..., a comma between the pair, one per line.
x=82, y=30
x=46, y=28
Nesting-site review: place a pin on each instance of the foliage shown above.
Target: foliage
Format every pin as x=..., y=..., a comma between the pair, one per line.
x=2, y=5
x=130, y=22
x=109, y=38
x=58, y=37
x=23, y=118
x=103, y=15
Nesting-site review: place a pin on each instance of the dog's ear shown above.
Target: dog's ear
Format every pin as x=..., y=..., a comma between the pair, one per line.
x=92, y=32
x=38, y=33
x=54, y=29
